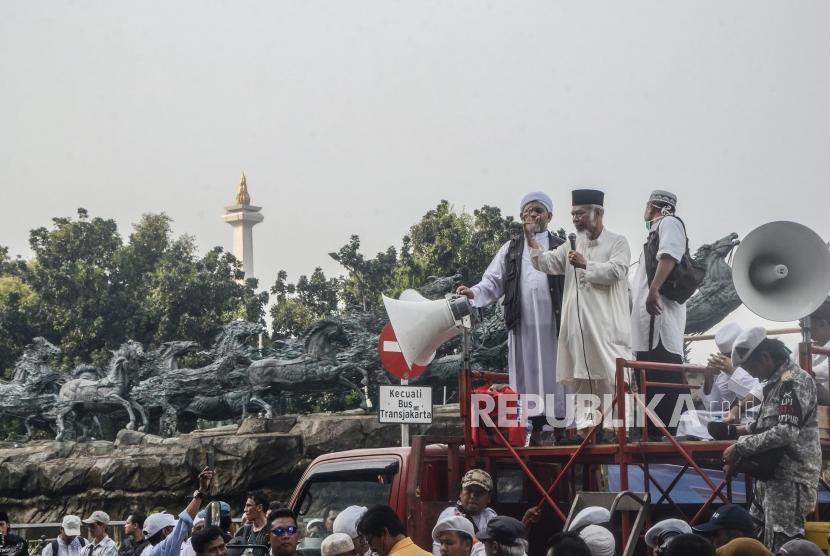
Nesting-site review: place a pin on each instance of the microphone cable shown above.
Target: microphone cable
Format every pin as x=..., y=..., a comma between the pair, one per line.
x=572, y=239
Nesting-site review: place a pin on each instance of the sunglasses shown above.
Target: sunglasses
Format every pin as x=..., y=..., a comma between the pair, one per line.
x=283, y=531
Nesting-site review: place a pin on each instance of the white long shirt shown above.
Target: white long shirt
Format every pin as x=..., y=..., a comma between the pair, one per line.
x=670, y=325
x=600, y=315
x=820, y=367
x=727, y=388
x=531, y=345
x=72, y=549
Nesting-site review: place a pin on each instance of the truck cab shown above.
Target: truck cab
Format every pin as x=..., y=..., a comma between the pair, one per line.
x=419, y=482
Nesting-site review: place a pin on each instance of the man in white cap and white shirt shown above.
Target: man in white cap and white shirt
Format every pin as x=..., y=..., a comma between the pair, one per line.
x=455, y=537
x=69, y=541
x=662, y=532
x=337, y=544
x=656, y=318
x=346, y=522
x=782, y=442
x=532, y=309
x=100, y=543
x=719, y=392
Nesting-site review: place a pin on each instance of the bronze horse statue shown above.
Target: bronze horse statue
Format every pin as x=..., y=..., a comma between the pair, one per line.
x=30, y=396
x=103, y=394
x=316, y=370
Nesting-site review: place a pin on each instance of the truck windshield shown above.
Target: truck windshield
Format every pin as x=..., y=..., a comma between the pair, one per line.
x=334, y=486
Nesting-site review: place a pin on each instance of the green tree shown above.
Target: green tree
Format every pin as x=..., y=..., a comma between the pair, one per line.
x=75, y=275
x=298, y=305
x=137, y=262
x=368, y=278
x=190, y=297
x=18, y=316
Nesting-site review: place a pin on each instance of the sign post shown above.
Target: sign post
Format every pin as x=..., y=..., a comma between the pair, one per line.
x=393, y=361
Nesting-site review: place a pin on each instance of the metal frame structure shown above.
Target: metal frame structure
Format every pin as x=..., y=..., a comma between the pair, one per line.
x=626, y=452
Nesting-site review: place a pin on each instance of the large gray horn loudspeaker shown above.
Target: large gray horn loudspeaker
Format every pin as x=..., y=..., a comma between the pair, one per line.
x=781, y=271
x=421, y=325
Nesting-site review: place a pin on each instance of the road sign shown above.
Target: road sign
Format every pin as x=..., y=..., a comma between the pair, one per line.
x=392, y=358
x=411, y=405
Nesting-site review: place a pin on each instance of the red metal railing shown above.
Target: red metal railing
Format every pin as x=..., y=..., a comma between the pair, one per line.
x=626, y=453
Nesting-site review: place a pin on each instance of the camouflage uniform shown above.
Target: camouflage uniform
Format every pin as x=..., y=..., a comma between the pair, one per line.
x=787, y=418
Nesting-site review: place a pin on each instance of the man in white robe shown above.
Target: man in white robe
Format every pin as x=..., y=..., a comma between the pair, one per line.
x=532, y=303
x=595, y=309
x=657, y=322
x=820, y=330
x=719, y=392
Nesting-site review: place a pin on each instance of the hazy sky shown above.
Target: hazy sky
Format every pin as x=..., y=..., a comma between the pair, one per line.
x=359, y=116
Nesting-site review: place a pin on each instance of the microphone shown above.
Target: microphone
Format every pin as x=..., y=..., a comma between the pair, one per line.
x=572, y=239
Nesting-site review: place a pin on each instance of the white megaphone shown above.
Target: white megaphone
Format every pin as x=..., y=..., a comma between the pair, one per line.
x=421, y=325
x=781, y=271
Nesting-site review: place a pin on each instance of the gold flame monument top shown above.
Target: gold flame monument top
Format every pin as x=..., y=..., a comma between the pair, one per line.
x=243, y=217
x=242, y=196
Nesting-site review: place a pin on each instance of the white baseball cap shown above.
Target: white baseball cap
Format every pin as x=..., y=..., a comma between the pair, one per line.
x=346, y=521
x=746, y=343
x=336, y=543
x=457, y=523
x=156, y=522
x=71, y=525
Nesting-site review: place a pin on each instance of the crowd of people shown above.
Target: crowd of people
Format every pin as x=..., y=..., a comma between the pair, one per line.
x=468, y=528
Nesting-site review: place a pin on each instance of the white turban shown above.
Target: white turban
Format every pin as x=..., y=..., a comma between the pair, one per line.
x=538, y=196
x=346, y=521
x=600, y=541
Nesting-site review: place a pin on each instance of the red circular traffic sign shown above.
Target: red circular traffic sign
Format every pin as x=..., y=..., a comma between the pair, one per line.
x=392, y=358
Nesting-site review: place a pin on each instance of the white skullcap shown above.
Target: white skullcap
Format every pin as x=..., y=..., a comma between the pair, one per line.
x=746, y=343
x=726, y=336
x=346, y=521
x=676, y=525
x=336, y=543
x=538, y=196
x=600, y=541
x=198, y=521
x=592, y=515
x=457, y=523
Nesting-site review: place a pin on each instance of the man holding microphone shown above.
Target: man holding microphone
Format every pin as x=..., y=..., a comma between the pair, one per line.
x=596, y=327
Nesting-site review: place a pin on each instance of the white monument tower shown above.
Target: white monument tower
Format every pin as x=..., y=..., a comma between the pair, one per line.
x=243, y=217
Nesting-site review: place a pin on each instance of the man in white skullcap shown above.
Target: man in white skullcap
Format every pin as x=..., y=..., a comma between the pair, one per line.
x=661, y=533
x=346, y=522
x=600, y=540
x=455, y=536
x=532, y=309
x=658, y=323
x=337, y=544
x=596, y=325
x=719, y=392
